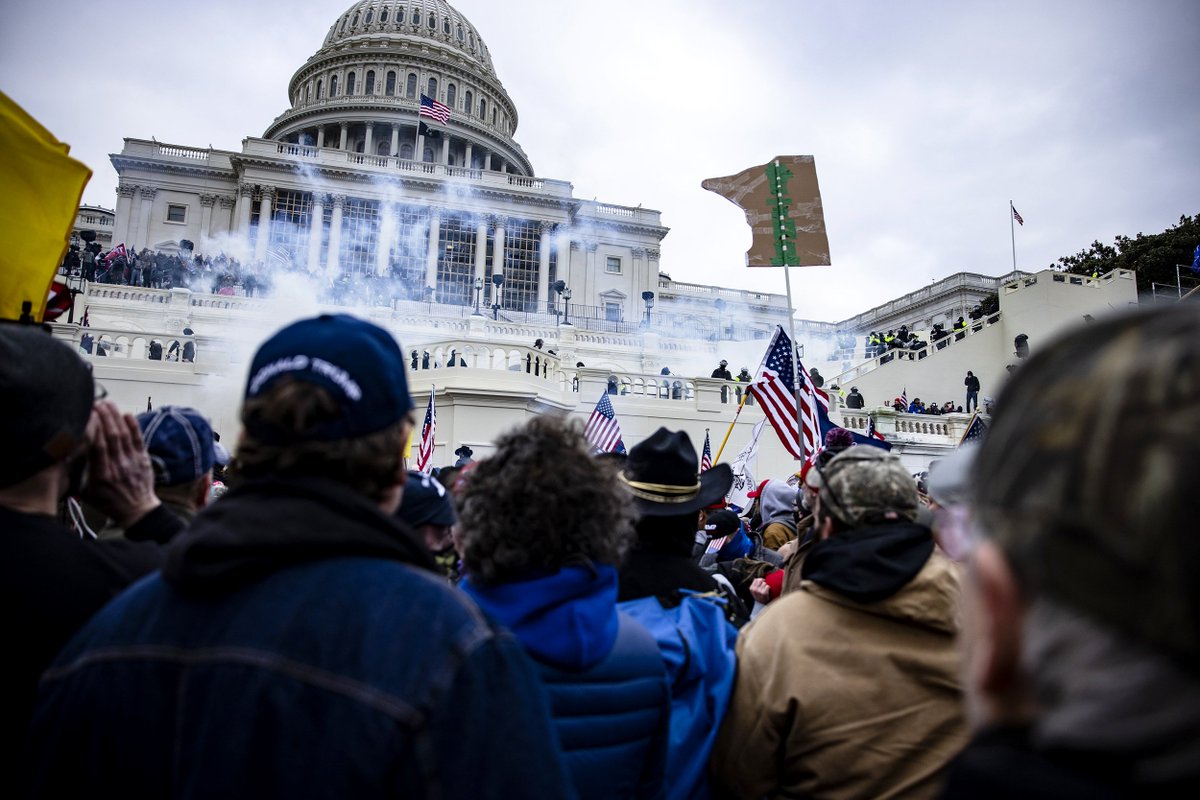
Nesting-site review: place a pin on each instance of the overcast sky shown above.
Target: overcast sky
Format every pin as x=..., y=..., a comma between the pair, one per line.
x=925, y=118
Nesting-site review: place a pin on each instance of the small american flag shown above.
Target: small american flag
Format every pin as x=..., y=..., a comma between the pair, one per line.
x=975, y=431
x=706, y=454
x=904, y=398
x=775, y=388
x=1016, y=216
x=434, y=110
x=871, y=430
x=428, y=431
x=602, y=431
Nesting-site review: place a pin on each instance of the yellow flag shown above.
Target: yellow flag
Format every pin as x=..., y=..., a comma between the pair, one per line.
x=42, y=186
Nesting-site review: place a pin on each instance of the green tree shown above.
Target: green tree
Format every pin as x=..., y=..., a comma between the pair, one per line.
x=1153, y=257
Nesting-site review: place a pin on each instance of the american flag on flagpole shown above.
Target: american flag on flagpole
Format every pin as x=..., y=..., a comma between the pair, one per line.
x=1017, y=216
x=775, y=387
x=871, y=429
x=428, y=432
x=434, y=110
x=706, y=454
x=904, y=398
x=602, y=431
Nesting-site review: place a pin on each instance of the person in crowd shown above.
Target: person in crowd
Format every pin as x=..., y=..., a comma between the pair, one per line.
x=428, y=509
x=57, y=445
x=538, y=344
x=182, y=453
x=464, y=454
x=898, y=405
x=778, y=503
x=854, y=399
x=722, y=371
x=972, y=384
x=551, y=578
x=1081, y=610
x=849, y=685
x=684, y=607
x=189, y=347
x=155, y=351
x=282, y=624
x=817, y=379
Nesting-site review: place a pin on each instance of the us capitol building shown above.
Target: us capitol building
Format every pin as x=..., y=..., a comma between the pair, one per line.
x=484, y=257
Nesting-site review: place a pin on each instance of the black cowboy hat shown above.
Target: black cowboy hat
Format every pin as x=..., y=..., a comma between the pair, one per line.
x=664, y=475
x=463, y=450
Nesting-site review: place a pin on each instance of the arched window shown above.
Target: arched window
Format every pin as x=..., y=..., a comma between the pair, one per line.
x=406, y=151
x=432, y=22
x=370, y=82
x=383, y=148
x=319, y=87
x=429, y=155
x=467, y=101
x=451, y=94
x=307, y=90
x=333, y=86
x=370, y=16
x=410, y=91
x=482, y=108
x=460, y=33
x=493, y=115
x=399, y=16
x=432, y=88
x=355, y=20
x=383, y=15
x=390, y=87
x=446, y=26
x=343, y=28
x=350, y=82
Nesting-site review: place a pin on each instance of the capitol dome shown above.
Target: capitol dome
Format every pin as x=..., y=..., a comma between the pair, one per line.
x=361, y=90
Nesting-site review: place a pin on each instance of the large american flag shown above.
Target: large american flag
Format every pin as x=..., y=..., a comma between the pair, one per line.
x=434, y=110
x=706, y=454
x=428, y=430
x=774, y=386
x=602, y=431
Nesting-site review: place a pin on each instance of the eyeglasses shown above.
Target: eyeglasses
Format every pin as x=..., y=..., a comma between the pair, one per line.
x=98, y=392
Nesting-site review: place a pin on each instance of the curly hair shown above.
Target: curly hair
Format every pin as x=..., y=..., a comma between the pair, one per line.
x=370, y=465
x=542, y=502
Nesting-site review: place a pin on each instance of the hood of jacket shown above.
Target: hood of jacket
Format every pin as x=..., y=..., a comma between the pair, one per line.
x=890, y=570
x=567, y=619
x=778, y=502
x=265, y=525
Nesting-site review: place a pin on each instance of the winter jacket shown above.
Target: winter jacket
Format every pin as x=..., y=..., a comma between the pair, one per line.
x=296, y=644
x=607, y=685
x=854, y=400
x=778, y=514
x=849, y=687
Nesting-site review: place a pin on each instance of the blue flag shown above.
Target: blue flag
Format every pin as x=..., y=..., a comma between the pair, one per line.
x=827, y=425
x=1196, y=260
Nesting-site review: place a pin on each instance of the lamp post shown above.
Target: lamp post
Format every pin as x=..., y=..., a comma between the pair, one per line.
x=478, y=291
x=648, y=299
x=558, y=287
x=499, y=281
x=720, y=304
x=566, y=306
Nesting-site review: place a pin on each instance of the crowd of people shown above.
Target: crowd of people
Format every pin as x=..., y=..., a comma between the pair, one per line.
x=548, y=622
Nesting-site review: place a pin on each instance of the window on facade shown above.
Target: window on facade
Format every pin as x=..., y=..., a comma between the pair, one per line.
x=360, y=236
x=428, y=155
x=350, y=81
x=613, y=265
x=432, y=88
x=432, y=22
x=383, y=15
x=612, y=311
x=456, y=260
x=390, y=86
x=176, y=213
x=343, y=28
x=292, y=223
x=483, y=109
x=370, y=82
x=450, y=95
x=406, y=151
x=493, y=116
x=307, y=90
x=471, y=39
x=446, y=26
x=355, y=20
x=522, y=243
x=333, y=86
x=370, y=16
x=460, y=33
x=467, y=104
x=410, y=90
x=319, y=89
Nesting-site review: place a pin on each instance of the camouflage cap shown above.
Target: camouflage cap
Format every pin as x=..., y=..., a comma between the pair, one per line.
x=863, y=485
x=1119, y=398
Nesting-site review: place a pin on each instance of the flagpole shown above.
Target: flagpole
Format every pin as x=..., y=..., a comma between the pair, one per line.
x=1012, y=231
x=787, y=279
x=724, y=441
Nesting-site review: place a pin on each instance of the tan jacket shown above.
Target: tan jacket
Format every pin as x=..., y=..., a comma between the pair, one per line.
x=777, y=534
x=839, y=699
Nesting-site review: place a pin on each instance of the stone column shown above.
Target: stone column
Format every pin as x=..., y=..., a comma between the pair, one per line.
x=395, y=140
x=431, y=253
x=543, y=286
x=333, y=261
x=207, y=201
x=245, y=198
x=487, y=160
x=314, y=232
x=498, y=254
x=265, y=205
x=503, y=165
x=143, y=235
x=589, y=271
x=481, y=228
x=225, y=218
x=369, y=146
x=470, y=147
x=419, y=152
x=124, y=213
x=345, y=133
x=320, y=136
